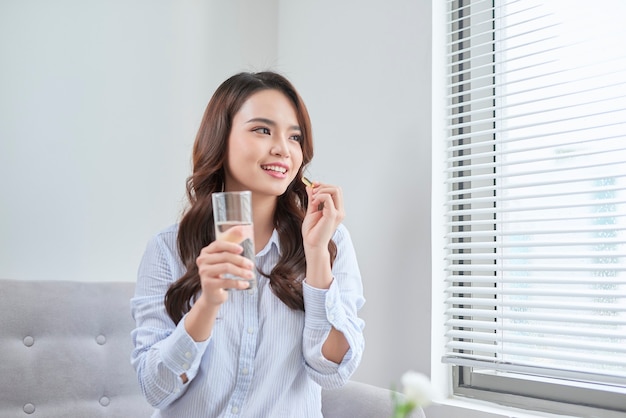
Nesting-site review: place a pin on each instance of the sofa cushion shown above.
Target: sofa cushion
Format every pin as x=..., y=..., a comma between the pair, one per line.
x=66, y=350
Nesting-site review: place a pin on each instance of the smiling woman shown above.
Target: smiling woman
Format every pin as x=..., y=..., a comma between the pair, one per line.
x=203, y=351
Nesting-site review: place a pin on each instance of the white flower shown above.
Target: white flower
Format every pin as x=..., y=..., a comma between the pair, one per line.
x=417, y=388
x=417, y=392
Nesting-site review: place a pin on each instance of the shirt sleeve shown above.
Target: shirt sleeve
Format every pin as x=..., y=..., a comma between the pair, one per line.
x=163, y=351
x=336, y=307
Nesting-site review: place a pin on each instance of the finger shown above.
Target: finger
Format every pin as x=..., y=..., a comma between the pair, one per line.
x=338, y=197
x=334, y=191
x=235, y=284
x=325, y=203
x=221, y=285
x=221, y=258
x=219, y=265
x=236, y=234
x=233, y=254
x=313, y=203
x=230, y=269
x=220, y=246
x=338, y=201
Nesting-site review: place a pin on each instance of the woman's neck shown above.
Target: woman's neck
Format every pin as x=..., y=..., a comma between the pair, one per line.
x=263, y=208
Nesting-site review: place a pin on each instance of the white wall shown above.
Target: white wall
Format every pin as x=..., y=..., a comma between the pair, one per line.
x=363, y=68
x=100, y=102
x=99, y=105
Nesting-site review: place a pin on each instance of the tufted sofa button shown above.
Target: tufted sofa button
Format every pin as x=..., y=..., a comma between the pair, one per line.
x=28, y=341
x=29, y=408
x=101, y=339
x=105, y=401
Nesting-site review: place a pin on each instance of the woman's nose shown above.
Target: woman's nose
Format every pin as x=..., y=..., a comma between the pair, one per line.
x=280, y=148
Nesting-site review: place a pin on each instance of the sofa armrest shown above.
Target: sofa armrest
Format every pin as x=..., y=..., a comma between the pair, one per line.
x=357, y=399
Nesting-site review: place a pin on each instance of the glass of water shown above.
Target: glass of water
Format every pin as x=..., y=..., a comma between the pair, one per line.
x=232, y=214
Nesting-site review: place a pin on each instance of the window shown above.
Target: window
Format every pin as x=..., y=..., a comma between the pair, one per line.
x=535, y=251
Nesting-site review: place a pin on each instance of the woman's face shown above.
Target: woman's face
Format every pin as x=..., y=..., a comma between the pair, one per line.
x=263, y=151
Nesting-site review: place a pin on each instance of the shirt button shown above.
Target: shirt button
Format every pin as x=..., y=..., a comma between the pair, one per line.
x=188, y=354
x=186, y=366
x=234, y=410
x=250, y=330
x=244, y=371
x=330, y=304
x=331, y=317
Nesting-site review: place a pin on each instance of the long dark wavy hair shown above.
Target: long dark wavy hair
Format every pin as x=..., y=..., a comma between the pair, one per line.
x=196, y=229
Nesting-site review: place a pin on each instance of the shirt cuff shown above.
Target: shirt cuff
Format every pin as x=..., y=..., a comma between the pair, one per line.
x=322, y=307
x=181, y=354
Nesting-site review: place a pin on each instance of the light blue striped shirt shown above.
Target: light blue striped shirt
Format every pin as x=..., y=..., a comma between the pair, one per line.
x=262, y=359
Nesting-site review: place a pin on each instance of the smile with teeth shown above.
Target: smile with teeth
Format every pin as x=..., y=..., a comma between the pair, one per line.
x=276, y=168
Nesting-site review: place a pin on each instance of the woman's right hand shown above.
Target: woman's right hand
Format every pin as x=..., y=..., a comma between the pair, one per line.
x=219, y=258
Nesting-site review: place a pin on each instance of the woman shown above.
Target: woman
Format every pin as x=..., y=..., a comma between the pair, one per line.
x=204, y=351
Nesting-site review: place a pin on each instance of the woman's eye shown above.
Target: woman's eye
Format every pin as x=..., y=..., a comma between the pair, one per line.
x=263, y=131
x=297, y=138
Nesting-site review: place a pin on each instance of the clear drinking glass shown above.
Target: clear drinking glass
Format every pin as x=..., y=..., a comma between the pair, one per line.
x=232, y=214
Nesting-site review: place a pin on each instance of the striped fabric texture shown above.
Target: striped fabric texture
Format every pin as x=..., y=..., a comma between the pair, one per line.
x=263, y=359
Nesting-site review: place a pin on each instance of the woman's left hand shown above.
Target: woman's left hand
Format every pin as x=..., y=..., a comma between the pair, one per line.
x=324, y=214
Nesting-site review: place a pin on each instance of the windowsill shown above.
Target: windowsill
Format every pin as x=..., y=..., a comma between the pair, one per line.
x=452, y=406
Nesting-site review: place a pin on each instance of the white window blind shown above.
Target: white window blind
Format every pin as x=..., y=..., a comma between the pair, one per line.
x=536, y=188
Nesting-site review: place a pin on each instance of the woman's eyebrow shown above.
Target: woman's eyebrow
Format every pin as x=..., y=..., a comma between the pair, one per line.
x=272, y=123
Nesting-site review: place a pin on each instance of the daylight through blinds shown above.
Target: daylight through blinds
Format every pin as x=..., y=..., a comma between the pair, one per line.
x=536, y=188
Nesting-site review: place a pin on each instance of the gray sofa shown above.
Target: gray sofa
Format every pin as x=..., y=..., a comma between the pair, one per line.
x=65, y=352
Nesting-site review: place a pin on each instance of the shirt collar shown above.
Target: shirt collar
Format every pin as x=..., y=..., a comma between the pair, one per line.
x=273, y=242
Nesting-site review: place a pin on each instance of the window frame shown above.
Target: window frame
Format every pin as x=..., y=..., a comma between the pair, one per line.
x=543, y=394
